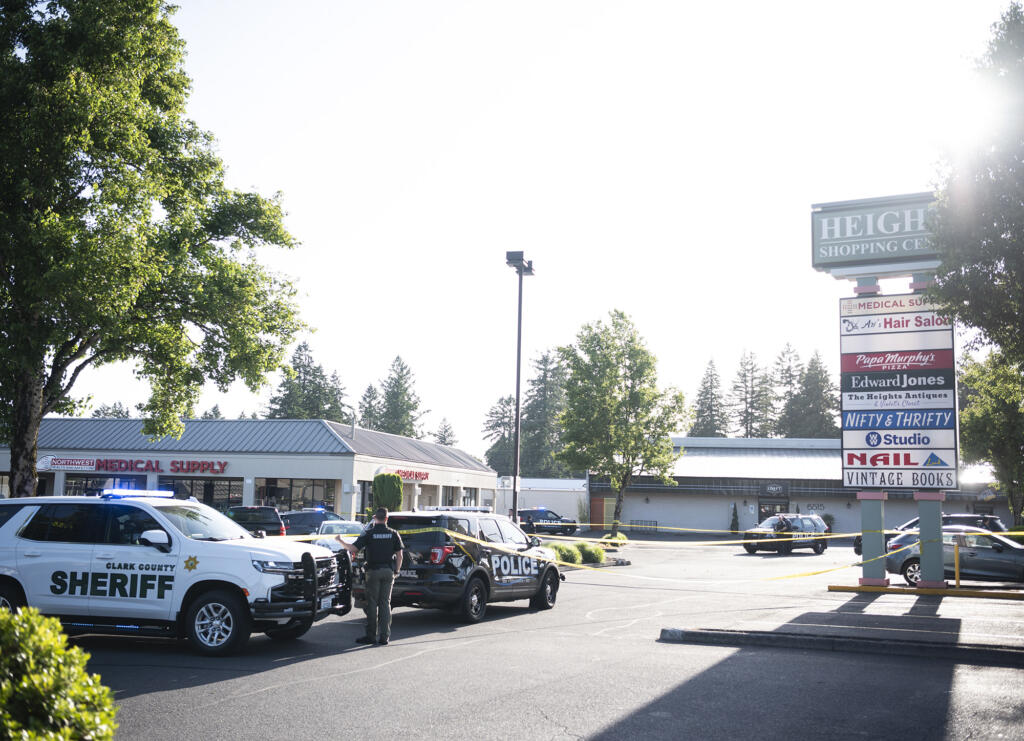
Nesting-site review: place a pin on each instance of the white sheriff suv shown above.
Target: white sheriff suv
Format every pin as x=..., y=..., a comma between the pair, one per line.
x=146, y=563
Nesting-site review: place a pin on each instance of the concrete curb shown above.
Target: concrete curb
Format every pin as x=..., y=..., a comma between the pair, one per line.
x=964, y=653
x=606, y=563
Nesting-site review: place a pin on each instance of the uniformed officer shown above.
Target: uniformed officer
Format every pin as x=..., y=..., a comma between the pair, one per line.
x=383, y=562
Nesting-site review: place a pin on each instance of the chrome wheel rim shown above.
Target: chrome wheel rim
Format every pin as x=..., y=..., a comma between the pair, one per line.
x=549, y=590
x=475, y=600
x=4, y=602
x=214, y=624
x=913, y=573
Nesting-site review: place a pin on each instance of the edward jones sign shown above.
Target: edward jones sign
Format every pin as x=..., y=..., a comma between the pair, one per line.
x=870, y=231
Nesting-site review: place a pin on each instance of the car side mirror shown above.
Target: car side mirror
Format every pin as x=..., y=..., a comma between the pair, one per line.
x=156, y=539
x=997, y=547
x=260, y=534
x=534, y=541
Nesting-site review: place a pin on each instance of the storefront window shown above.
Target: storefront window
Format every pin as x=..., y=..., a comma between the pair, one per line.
x=468, y=497
x=293, y=494
x=77, y=484
x=217, y=493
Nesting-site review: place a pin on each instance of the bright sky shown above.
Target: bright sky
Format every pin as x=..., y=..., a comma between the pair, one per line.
x=658, y=157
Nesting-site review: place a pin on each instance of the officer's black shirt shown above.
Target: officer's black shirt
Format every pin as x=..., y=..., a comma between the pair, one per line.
x=381, y=544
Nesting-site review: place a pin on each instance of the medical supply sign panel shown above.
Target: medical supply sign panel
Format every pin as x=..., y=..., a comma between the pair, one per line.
x=898, y=388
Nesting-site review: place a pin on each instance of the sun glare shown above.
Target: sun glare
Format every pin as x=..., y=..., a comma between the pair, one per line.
x=971, y=113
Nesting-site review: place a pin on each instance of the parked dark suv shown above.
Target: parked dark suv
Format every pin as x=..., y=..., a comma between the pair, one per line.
x=784, y=532
x=443, y=571
x=256, y=518
x=985, y=522
x=543, y=520
x=306, y=521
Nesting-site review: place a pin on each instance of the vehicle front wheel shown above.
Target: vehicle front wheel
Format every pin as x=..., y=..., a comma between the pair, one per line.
x=785, y=548
x=291, y=630
x=911, y=571
x=474, y=601
x=217, y=623
x=548, y=592
x=819, y=547
x=749, y=548
x=11, y=597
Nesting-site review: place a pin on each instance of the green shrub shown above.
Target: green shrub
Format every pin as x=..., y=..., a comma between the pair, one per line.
x=565, y=552
x=45, y=691
x=387, y=491
x=619, y=539
x=590, y=553
x=734, y=521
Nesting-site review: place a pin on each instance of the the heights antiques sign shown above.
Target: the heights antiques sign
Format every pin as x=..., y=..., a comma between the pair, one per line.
x=870, y=231
x=898, y=394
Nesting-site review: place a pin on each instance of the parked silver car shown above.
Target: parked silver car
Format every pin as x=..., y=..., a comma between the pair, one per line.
x=984, y=556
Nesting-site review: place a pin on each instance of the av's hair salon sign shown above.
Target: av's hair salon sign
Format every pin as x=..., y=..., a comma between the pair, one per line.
x=871, y=231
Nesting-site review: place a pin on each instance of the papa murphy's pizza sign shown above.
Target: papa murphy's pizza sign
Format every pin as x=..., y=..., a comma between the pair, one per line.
x=898, y=394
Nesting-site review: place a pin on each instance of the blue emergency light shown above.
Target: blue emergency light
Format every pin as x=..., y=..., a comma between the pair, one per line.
x=132, y=493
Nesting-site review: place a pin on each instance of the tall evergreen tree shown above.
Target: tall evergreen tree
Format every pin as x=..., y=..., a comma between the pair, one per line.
x=370, y=408
x=812, y=411
x=445, y=435
x=750, y=400
x=541, y=427
x=212, y=413
x=786, y=384
x=711, y=419
x=400, y=406
x=500, y=429
x=305, y=392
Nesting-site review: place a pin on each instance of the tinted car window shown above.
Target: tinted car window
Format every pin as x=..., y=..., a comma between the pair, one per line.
x=251, y=514
x=7, y=511
x=64, y=523
x=408, y=527
x=489, y=530
x=512, y=534
x=126, y=523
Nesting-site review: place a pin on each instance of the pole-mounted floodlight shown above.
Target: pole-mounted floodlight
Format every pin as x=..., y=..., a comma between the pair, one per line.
x=522, y=267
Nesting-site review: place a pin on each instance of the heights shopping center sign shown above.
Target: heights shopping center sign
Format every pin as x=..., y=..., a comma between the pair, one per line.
x=898, y=394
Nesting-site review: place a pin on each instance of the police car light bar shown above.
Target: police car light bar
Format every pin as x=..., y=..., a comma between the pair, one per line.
x=130, y=493
x=457, y=509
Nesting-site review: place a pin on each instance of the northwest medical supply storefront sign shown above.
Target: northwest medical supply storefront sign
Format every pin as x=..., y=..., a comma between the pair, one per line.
x=898, y=394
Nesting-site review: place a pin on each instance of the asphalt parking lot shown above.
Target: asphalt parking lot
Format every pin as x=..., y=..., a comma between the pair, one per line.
x=596, y=666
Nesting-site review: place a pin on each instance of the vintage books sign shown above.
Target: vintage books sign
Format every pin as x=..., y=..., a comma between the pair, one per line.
x=898, y=394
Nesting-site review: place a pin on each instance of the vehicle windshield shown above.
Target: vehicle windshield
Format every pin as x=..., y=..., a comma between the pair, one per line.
x=771, y=522
x=253, y=514
x=199, y=522
x=341, y=528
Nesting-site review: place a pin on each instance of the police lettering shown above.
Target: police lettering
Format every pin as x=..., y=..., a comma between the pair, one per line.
x=111, y=584
x=514, y=566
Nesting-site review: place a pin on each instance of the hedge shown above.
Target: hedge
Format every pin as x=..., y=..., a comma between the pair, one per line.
x=590, y=552
x=567, y=553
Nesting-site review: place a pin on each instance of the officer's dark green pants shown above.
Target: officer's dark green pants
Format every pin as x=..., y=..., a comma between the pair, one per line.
x=378, y=603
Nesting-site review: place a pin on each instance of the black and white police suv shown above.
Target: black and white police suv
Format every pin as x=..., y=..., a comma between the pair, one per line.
x=543, y=520
x=145, y=563
x=442, y=571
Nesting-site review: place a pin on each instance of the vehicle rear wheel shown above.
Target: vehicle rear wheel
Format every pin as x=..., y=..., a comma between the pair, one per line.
x=474, y=601
x=291, y=630
x=819, y=547
x=857, y=545
x=911, y=571
x=11, y=597
x=217, y=623
x=548, y=592
x=750, y=548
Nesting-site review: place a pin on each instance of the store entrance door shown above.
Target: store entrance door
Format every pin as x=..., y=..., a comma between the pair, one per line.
x=768, y=507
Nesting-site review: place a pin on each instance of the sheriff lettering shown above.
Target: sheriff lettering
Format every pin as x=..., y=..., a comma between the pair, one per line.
x=111, y=584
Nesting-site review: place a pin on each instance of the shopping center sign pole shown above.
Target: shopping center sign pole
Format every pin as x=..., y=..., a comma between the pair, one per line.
x=522, y=267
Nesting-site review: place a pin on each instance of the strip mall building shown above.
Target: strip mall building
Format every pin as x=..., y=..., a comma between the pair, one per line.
x=764, y=476
x=290, y=464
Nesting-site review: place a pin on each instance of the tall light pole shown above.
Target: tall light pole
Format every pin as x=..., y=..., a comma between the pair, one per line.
x=522, y=267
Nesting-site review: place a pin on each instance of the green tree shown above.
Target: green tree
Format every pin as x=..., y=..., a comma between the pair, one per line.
x=710, y=416
x=617, y=424
x=370, y=408
x=305, y=391
x=387, y=491
x=978, y=224
x=812, y=411
x=541, y=429
x=400, y=406
x=117, y=410
x=751, y=399
x=119, y=240
x=500, y=429
x=212, y=413
x=445, y=435
x=992, y=423
x=786, y=384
